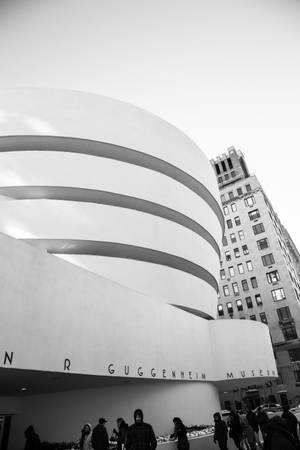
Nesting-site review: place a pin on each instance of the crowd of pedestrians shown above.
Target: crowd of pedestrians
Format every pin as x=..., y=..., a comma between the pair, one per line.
x=278, y=433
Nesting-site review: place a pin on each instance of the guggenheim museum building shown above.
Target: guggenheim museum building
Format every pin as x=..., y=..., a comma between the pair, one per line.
x=110, y=232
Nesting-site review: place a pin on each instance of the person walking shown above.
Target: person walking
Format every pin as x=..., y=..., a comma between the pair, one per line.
x=121, y=433
x=140, y=435
x=32, y=439
x=99, y=436
x=252, y=421
x=221, y=432
x=85, y=438
x=262, y=420
x=235, y=429
x=180, y=434
x=291, y=421
x=278, y=436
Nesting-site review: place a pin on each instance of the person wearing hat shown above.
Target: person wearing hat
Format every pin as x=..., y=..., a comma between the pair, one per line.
x=140, y=435
x=99, y=436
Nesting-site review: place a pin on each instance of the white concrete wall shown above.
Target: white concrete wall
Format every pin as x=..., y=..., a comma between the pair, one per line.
x=60, y=416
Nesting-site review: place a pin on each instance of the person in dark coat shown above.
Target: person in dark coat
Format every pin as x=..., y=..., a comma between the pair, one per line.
x=140, y=435
x=235, y=429
x=180, y=434
x=121, y=433
x=252, y=421
x=291, y=421
x=278, y=436
x=221, y=432
x=262, y=420
x=32, y=439
x=99, y=436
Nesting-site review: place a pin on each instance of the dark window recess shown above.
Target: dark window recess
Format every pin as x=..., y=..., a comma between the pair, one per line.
x=249, y=302
x=245, y=285
x=220, y=179
x=229, y=163
x=245, y=249
x=254, y=283
x=294, y=354
x=254, y=214
x=284, y=314
x=289, y=332
x=268, y=260
x=233, y=174
x=220, y=310
x=263, y=317
x=258, y=228
x=224, y=166
x=248, y=187
x=253, y=317
x=239, y=191
x=263, y=243
x=231, y=196
x=217, y=169
x=229, y=223
x=226, y=176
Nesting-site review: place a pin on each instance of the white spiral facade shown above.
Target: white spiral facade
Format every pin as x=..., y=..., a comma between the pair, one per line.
x=131, y=203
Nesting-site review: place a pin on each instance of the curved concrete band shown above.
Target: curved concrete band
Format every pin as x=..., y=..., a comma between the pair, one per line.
x=108, y=198
x=117, y=250
x=112, y=151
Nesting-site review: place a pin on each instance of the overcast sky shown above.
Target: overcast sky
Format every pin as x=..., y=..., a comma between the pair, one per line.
x=227, y=72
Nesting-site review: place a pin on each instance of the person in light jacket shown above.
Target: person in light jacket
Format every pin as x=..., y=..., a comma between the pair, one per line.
x=85, y=442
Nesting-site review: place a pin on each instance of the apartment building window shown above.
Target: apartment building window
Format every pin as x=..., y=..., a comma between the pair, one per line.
x=258, y=228
x=217, y=169
x=249, y=266
x=226, y=176
x=245, y=250
x=253, y=317
x=294, y=354
x=226, y=210
x=224, y=166
x=224, y=241
x=241, y=235
x=220, y=179
x=258, y=300
x=262, y=244
x=228, y=255
x=268, y=260
x=235, y=288
x=229, y=308
x=236, y=252
x=239, y=305
x=231, y=196
x=248, y=187
x=222, y=274
x=229, y=223
x=230, y=163
x=254, y=214
x=233, y=207
x=237, y=220
x=250, y=201
x=289, y=332
x=263, y=318
x=240, y=268
x=239, y=191
x=222, y=198
x=249, y=302
x=278, y=294
x=231, y=271
x=245, y=285
x=220, y=310
x=226, y=290
x=273, y=277
x=284, y=314
x=254, y=283
x=233, y=173
x=233, y=238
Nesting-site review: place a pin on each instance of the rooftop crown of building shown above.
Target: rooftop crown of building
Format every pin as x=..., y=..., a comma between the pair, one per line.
x=230, y=167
